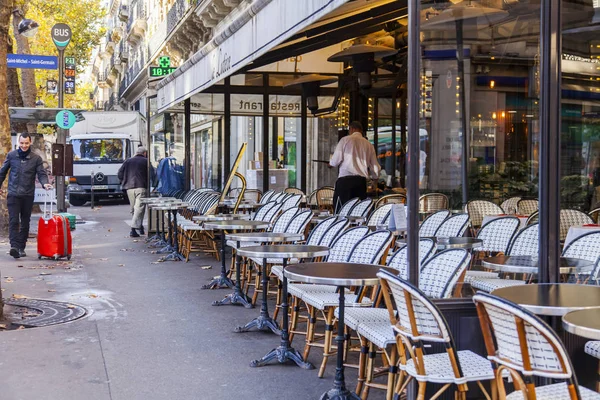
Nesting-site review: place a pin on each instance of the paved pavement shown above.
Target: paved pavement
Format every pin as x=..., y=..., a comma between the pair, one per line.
x=152, y=333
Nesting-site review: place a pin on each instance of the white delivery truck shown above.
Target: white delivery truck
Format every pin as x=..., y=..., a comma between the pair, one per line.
x=101, y=142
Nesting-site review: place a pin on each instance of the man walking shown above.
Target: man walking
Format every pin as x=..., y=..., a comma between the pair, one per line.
x=133, y=175
x=23, y=166
x=357, y=160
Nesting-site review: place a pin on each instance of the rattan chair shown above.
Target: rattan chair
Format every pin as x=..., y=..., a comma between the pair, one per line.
x=347, y=207
x=432, y=202
x=521, y=344
x=416, y=321
x=527, y=206
x=293, y=190
x=586, y=247
x=325, y=198
x=509, y=206
x=362, y=208
x=569, y=218
x=453, y=226
x=391, y=199
x=291, y=202
x=477, y=209
x=380, y=216
x=432, y=223
x=534, y=218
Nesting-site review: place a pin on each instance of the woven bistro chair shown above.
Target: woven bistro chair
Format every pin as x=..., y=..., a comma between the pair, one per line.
x=311, y=200
x=595, y=214
x=477, y=209
x=291, y=202
x=586, y=247
x=533, y=218
x=432, y=202
x=347, y=207
x=521, y=344
x=453, y=226
x=362, y=208
x=380, y=216
x=569, y=218
x=417, y=321
x=527, y=206
x=509, y=206
x=371, y=249
x=293, y=190
x=325, y=198
x=432, y=223
x=391, y=199
x=266, y=197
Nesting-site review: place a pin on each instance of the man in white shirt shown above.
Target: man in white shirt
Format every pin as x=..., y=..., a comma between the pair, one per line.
x=357, y=160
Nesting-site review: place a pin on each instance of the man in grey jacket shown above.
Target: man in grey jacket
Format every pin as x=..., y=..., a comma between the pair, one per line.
x=23, y=166
x=133, y=175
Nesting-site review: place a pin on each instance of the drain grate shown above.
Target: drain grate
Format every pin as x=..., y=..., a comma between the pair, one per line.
x=52, y=312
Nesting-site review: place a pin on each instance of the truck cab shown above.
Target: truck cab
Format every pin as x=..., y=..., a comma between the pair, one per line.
x=101, y=143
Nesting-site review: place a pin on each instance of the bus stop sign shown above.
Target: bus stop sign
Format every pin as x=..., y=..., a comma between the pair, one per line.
x=65, y=119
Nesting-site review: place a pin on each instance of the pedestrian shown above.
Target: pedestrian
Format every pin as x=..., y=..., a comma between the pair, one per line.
x=23, y=166
x=133, y=175
x=357, y=160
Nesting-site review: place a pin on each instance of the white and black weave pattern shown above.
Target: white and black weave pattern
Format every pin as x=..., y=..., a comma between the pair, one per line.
x=399, y=259
x=432, y=223
x=525, y=242
x=380, y=215
x=509, y=206
x=334, y=231
x=477, y=209
x=586, y=247
x=371, y=248
x=362, y=208
x=454, y=226
x=497, y=233
x=342, y=247
x=432, y=202
x=440, y=273
x=527, y=206
x=346, y=208
x=569, y=218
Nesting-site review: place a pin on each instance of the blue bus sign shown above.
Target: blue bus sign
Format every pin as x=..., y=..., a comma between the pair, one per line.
x=65, y=119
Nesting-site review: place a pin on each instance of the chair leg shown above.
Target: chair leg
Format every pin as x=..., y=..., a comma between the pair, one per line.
x=392, y=373
x=362, y=359
x=310, y=330
x=421, y=393
x=328, y=338
x=370, y=371
x=257, y=285
x=294, y=317
x=278, y=301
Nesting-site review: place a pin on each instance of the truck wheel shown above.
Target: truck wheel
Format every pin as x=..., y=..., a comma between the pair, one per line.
x=77, y=202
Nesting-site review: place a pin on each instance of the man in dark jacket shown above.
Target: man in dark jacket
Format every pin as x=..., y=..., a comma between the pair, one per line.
x=133, y=175
x=23, y=166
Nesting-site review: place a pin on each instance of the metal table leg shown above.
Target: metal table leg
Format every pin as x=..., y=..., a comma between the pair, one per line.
x=285, y=352
x=339, y=390
x=237, y=297
x=169, y=247
x=223, y=280
x=264, y=321
x=175, y=254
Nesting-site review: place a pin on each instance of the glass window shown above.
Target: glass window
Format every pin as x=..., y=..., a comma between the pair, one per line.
x=99, y=150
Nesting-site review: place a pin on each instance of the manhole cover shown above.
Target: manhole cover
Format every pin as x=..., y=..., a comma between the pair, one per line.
x=52, y=312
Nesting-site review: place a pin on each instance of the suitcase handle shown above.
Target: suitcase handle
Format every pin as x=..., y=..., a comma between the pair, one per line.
x=48, y=199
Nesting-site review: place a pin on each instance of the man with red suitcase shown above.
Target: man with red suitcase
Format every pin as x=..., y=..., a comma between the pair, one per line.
x=24, y=166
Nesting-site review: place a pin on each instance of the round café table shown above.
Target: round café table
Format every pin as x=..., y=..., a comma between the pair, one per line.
x=284, y=352
x=219, y=217
x=552, y=299
x=529, y=265
x=159, y=238
x=264, y=320
x=341, y=275
x=584, y=323
x=466, y=243
x=223, y=280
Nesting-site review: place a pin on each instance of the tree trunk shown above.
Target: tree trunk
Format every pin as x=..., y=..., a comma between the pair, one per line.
x=14, y=91
x=28, y=86
x=5, y=143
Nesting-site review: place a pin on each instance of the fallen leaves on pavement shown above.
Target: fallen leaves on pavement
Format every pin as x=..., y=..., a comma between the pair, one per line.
x=19, y=296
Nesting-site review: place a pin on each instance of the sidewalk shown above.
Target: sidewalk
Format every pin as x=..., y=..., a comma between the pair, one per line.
x=152, y=333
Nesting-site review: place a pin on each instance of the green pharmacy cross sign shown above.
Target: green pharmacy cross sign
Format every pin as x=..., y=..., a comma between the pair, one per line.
x=164, y=68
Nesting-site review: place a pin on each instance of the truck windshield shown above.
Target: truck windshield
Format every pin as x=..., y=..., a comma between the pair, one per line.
x=99, y=150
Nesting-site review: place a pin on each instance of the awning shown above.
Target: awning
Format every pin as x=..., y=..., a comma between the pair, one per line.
x=258, y=28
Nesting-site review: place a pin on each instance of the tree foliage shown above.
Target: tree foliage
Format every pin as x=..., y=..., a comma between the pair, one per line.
x=85, y=18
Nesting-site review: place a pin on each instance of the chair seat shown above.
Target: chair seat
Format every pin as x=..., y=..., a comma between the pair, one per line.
x=489, y=285
x=259, y=261
x=381, y=334
x=364, y=315
x=558, y=391
x=439, y=369
x=233, y=243
x=321, y=300
x=192, y=227
x=470, y=275
x=299, y=290
x=593, y=348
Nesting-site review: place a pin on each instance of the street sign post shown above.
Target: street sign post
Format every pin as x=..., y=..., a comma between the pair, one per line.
x=61, y=36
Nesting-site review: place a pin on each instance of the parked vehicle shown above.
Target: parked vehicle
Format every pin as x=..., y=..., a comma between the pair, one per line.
x=101, y=143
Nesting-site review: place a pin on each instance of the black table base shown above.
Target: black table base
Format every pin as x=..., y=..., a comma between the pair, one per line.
x=223, y=280
x=237, y=297
x=264, y=321
x=339, y=394
x=285, y=352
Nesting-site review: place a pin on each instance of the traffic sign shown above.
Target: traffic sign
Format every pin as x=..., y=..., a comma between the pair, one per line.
x=65, y=119
x=69, y=87
x=61, y=35
x=70, y=62
x=70, y=73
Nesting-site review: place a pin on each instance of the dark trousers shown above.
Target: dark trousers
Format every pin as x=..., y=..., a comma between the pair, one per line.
x=19, y=215
x=347, y=188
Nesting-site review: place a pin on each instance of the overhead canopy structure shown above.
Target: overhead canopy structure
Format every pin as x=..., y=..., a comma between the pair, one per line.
x=39, y=115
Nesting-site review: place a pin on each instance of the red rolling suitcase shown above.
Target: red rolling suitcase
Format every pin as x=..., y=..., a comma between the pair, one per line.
x=54, y=234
